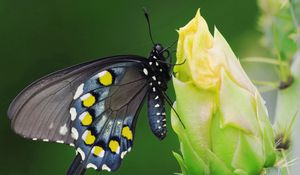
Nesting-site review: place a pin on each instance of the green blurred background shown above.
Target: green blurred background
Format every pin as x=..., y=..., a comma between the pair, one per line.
x=38, y=37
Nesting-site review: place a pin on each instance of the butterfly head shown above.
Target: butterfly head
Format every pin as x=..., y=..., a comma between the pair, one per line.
x=160, y=52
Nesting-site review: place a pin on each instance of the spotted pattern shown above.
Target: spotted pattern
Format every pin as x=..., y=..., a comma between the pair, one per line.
x=98, y=151
x=74, y=133
x=114, y=146
x=127, y=133
x=88, y=137
x=86, y=118
x=90, y=165
x=73, y=113
x=105, y=78
x=82, y=154
x=105, y=167
x=88, y=100
x=79, y=91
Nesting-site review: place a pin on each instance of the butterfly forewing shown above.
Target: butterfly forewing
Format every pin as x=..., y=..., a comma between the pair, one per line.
x=41, y=111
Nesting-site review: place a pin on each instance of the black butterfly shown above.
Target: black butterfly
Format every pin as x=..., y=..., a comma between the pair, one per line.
x=94, y=106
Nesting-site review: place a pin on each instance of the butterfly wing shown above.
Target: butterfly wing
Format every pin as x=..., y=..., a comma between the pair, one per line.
x=41, y=111
x=104, y=113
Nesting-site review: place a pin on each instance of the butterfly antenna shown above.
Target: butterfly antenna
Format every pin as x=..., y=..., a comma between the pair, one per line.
x=170, y=46
x=169, y=101
x=148, y=22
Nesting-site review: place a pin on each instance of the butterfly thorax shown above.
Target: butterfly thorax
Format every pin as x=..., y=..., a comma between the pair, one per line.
x=160, y=71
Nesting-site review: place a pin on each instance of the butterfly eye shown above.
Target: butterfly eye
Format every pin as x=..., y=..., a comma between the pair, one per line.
x=166, y=54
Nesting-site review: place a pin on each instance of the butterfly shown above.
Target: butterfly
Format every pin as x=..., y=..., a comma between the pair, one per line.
x=94, y=106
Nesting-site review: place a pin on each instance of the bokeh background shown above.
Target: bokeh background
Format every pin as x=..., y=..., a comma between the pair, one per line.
x=39, y=37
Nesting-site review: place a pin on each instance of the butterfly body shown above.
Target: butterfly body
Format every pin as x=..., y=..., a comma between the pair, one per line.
x=94, y=107
x=160, y=75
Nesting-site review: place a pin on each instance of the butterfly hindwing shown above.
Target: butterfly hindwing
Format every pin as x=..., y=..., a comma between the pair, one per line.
x=104, y=115
x=41, y=111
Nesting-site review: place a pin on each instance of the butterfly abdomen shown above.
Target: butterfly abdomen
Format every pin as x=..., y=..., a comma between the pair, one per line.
x=157, y=115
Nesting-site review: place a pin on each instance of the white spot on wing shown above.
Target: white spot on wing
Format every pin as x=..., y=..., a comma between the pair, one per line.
x=154, y=78
x=156, y=63
x=105, y=167
x=81, y=117
x=90, y=165
x=157, y=105
x=123, y=154
x=145, y=71
x=84, y=135
x=102, y=73
x=73, y=113
x=157, y=121
x=85, y=96
x=163, y=113
x=156, y=97
x=46, y=140
x=150, y=63
x=81, y=153
x=59, y=141
x=74, y=133
x=34, y=139
x=158, y=113
x=63, y=130
x=79, y=91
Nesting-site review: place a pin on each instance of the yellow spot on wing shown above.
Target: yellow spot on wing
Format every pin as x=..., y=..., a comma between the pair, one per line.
x=88, y=137
x=86, y=119
x=98, y=151
x=127, y=133
x=88, y=100
x=105, y=78
x=114, y=146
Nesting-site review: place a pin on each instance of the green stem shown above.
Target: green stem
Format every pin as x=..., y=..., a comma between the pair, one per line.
x=288, y=105
x=295, y=21
x=266, y=83
x=293, y=14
